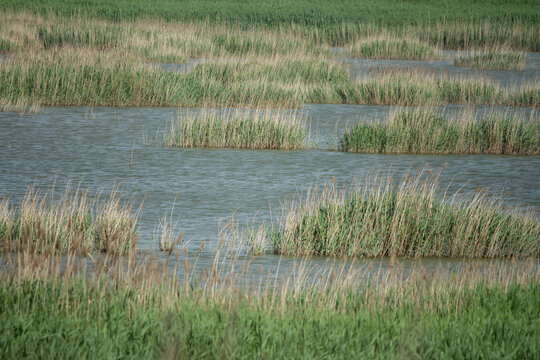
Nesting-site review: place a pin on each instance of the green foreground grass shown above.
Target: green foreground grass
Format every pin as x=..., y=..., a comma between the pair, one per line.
x=81, y=322
x=428, y=132
x=380, y=218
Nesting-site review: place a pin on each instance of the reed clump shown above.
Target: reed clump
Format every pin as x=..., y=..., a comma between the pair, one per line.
x=261, y=130
x=392, y=48
x=430, y=132
x=71, y=223
x=493, y=60
x=379, y=218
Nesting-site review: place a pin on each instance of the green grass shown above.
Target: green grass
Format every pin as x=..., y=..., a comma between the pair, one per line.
x=388, y=48
x=240, y=131
x=455, y=25
x=6, y=46
x=493, y=61
x=138, y=312
x=407, y=219
x=427, y=132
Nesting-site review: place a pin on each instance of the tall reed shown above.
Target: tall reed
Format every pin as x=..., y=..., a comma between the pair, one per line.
x=379, y=218
x=393, y=48
x=72, y=223
x=493, y=60
x=429, y=132
x=261, y=130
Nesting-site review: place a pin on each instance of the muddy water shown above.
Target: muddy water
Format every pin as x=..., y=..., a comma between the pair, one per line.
x=96, y=146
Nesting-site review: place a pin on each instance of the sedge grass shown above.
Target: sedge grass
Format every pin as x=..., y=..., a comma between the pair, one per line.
x=379, y=218
x=493, y=60
x=71, y=223
x=391, y=48
x=263, y=130
x=429, y=132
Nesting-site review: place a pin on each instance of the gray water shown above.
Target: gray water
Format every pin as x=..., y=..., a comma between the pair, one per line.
x=95, y=146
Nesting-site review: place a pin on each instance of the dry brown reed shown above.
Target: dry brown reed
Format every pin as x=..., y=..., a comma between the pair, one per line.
x=73, y=222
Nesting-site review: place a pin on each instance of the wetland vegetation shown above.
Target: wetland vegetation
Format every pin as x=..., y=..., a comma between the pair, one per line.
x=75, y=283
x=429, y=132
x=262, y=130
x=380, y=218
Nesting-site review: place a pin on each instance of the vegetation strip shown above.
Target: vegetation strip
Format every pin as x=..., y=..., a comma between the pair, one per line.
x=379, y=218
x=429, y=132
x=392, y=48
x=447, y=27
x=493, y=60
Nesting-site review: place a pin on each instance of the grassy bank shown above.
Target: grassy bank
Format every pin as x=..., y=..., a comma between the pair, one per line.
x=493, y=60
x=429, y=132
x=71, y=223
x=130, y=308
x=379, y=218
x=457, y=25
x=261, y=130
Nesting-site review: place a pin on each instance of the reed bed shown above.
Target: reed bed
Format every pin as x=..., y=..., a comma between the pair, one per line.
x=457, y=25
x=379, y=218
x=430, y=132
x=493, y=60
x=116, y=307
x=392, y=48
x=71, y=223
x=407, y=87
x=261, y=130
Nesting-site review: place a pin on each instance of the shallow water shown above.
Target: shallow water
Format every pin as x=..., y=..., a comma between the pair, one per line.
x=361, y=68
x=96, y=146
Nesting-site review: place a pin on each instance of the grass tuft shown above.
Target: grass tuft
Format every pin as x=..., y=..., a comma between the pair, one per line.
x=391, y=48
x=493, y=60
x=44, y=224
x=428, y=132
x=408, y=219
x=263, y=130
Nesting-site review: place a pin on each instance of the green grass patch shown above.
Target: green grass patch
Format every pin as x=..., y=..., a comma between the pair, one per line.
x=426, y=132
x=493, y=61
x=388, y=48
x=383, y=219
x=6, y=46
x=262, y=130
